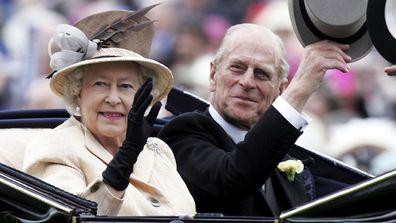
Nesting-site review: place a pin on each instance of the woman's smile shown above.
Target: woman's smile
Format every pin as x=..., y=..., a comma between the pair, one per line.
x=113, y=116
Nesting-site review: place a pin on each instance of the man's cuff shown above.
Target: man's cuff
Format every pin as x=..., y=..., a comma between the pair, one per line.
x=298, y=120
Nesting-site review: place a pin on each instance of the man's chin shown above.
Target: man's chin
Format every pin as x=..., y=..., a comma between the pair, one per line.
x=241, y=120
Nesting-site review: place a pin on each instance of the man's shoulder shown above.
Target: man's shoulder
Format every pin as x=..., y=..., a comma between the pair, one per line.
x=189, y=121
x=195, y=116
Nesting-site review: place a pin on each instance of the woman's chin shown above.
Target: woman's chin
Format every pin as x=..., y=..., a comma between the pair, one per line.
x=112, y=132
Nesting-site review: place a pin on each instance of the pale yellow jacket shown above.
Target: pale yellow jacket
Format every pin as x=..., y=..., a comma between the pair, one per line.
x=70, y=158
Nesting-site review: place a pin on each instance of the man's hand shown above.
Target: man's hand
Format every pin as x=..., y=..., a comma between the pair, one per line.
x=317, y=59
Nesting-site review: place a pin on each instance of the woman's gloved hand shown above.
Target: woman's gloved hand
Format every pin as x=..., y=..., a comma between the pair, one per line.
x=138, y=130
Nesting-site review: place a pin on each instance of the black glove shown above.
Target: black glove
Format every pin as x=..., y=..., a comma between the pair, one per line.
x=138, y=130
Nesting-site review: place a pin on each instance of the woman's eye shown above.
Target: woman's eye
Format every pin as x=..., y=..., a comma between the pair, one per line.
x=126, y=86
x=100, y=84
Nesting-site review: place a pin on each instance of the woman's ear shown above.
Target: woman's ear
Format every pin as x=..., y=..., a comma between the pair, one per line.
x=78, y=99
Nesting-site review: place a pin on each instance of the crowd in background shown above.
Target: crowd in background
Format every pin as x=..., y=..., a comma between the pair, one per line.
x=353, y=115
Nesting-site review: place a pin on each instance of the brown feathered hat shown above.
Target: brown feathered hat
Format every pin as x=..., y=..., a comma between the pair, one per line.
x=109, y=36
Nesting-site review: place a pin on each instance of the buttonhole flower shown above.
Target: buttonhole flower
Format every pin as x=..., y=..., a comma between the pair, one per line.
x=290, y=168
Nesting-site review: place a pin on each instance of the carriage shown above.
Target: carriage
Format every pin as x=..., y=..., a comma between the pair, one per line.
x=24, y=198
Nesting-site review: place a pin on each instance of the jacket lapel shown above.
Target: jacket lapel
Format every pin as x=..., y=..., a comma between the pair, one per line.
x=94, y=147
x=142, y=168
x=294, y=192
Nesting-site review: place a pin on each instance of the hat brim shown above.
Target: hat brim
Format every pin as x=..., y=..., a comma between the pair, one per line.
x=378, y=30
x=163, y=76
x=360, y=43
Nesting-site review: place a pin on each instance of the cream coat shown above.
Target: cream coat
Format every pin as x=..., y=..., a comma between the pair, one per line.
x=70, y=158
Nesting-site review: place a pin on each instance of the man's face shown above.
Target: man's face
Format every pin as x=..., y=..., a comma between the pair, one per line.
x=246, y=81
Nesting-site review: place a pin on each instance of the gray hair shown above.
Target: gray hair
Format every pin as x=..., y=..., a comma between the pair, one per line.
x=282, y=62
x=73, y=84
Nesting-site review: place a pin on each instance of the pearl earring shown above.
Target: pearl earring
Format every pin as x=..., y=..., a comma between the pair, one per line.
x=78, y=111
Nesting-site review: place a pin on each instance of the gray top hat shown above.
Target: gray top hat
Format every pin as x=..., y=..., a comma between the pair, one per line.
x=342, y=21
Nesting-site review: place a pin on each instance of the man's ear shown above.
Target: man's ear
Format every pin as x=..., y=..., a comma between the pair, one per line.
x=283, y=85
x=212, y=78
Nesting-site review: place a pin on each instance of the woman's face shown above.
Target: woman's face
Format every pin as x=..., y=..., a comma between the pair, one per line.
x=106, y=97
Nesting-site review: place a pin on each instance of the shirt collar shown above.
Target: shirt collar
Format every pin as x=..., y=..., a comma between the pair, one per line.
x=237, y=135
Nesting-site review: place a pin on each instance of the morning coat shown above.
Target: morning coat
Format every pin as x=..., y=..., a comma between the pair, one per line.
x=227, y=178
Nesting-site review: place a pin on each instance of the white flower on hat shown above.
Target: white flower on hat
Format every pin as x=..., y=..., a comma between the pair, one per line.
x=74, y=47
x=290, y=168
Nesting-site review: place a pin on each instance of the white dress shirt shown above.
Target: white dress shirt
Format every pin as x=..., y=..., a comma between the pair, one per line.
x=298, y=120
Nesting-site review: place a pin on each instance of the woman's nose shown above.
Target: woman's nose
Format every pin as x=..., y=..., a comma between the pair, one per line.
x=113, y=97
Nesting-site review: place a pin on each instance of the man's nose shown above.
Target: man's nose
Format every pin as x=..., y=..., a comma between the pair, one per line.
x=247, y=80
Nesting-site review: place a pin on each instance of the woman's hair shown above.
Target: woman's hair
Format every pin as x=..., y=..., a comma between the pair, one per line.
x=72, y=86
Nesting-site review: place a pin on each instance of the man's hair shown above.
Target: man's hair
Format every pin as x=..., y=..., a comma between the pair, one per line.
x=73, y=84
x=281, y=62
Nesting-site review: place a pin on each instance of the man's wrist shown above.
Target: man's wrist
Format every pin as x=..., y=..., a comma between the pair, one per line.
x=297, y=119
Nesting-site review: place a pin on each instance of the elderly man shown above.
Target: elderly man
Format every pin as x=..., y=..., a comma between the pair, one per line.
x=228, y=155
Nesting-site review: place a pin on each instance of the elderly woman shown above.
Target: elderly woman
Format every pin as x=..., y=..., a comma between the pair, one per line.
x=103, y=152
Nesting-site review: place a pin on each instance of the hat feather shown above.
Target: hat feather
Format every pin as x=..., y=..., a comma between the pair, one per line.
x=116, y=31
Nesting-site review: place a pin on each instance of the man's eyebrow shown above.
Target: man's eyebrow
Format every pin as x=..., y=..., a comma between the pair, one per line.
x=236, y=60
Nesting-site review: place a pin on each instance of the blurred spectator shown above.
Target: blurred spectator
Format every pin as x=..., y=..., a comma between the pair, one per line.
x=25, y=36
x=214, y=27
x=384, y=162
x=190, y=47
x=84, y=8
x=165, y=31
x=233, y=11
x=358, y=141
x=315, y=135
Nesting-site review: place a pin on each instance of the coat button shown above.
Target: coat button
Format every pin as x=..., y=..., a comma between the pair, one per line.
x=94, y=187
x=154, y=202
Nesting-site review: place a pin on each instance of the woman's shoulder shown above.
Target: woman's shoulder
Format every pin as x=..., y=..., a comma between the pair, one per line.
x=69, y=128
x=59, y=145
x=63, y=136
x=158, y=146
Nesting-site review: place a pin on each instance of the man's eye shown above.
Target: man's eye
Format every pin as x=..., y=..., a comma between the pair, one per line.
x=236, y=67
x=261, y=75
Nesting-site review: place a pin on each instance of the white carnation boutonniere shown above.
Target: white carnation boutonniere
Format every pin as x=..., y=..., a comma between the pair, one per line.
x=290, y=168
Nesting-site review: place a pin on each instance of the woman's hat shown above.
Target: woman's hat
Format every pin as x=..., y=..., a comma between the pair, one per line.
x=337, y=20
x=380, y=18
x=109, y=36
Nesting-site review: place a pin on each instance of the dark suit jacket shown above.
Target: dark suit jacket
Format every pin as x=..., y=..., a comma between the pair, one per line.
x=226, y=177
